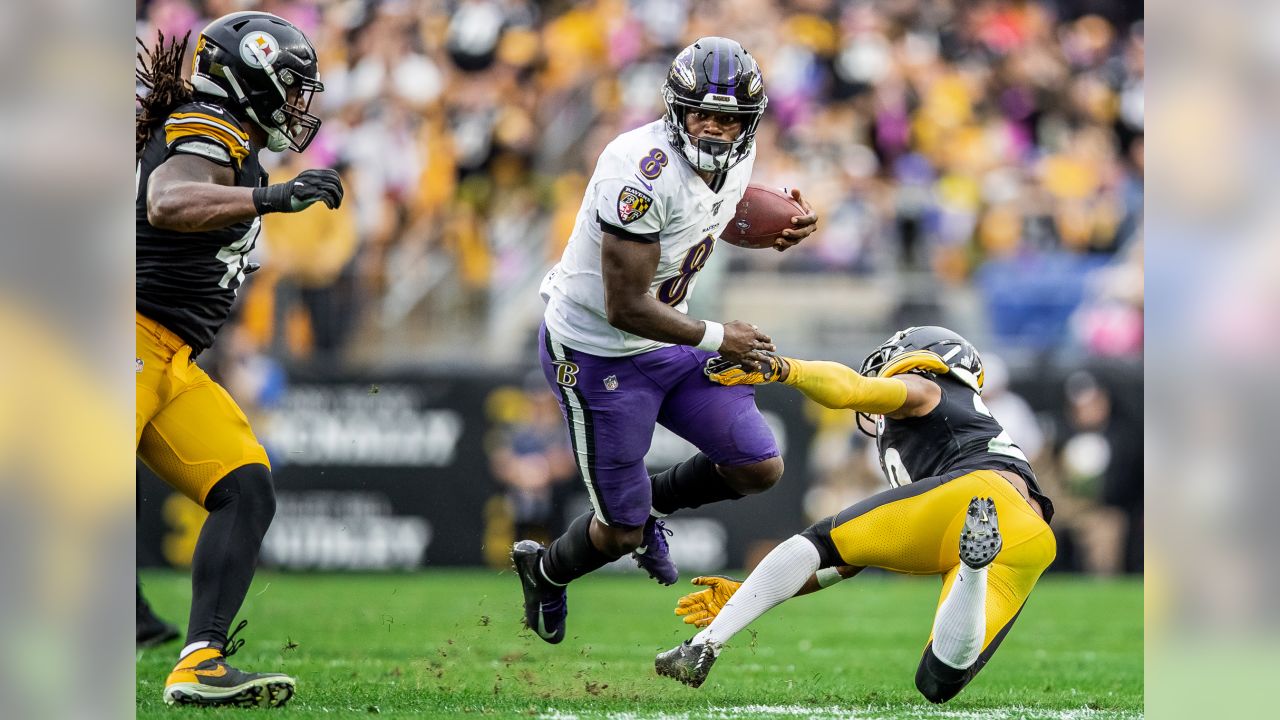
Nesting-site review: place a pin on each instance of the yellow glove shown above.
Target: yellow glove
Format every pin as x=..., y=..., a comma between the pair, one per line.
x=700, y=608
x=727, y=372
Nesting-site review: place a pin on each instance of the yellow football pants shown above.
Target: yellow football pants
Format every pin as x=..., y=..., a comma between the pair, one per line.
x=189, y=431
x=915, y=529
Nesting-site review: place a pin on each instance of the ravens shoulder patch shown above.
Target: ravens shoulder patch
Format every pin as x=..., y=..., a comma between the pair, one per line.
x=633, y=204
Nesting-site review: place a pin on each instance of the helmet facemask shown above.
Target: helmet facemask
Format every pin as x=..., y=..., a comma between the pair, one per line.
x=284, y=114
x=871, y=368
x=705, y=153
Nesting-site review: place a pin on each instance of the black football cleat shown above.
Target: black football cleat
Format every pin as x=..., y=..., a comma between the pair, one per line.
x=654, y=556
x=153, y=631
x=687, y=663
x=546, y=605
x=203, y=677
x=980, y=540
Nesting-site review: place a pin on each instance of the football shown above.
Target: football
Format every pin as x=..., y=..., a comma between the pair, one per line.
x=762, y=215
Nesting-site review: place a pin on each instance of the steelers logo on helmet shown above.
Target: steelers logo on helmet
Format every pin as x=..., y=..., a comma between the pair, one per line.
x=259, y=49
x=265, y=69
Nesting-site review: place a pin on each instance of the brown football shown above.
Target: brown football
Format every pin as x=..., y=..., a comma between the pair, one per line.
x=763, y=213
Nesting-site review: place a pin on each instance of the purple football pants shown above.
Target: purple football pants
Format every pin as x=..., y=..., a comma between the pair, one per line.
x=612, y=404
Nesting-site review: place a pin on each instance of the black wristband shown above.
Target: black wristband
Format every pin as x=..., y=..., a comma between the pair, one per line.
x=272, y=199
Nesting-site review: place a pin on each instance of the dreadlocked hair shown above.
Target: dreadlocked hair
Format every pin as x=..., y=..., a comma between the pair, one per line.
x=159, y=70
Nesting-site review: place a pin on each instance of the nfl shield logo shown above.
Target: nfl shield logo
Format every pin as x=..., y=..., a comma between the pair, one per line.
x=611, y=383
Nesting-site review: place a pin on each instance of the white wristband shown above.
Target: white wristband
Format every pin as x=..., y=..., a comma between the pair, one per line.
x=712, y=337
x=828, y=577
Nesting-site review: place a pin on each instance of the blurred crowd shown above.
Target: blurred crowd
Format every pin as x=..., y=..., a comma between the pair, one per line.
x=992, y=145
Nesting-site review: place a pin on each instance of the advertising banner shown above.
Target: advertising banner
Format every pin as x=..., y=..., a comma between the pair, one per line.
x=418, y=470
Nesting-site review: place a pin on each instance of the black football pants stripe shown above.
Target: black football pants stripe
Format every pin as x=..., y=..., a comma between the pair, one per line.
x=581, y=429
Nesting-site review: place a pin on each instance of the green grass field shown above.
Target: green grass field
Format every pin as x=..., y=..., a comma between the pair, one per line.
x=443, y=644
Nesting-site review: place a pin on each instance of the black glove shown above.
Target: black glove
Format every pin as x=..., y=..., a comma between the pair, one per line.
x=310, y=186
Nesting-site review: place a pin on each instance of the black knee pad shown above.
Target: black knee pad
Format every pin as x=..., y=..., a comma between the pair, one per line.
x=938, y=681
x=250, y=490
x=819, y=534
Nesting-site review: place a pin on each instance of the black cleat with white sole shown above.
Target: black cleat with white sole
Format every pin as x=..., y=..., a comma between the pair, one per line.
x=980, y=540
x=205, y=678
x=687, y=663
x=545, y=604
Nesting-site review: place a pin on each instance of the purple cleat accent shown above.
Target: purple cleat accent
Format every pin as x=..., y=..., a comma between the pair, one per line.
x=654, y=556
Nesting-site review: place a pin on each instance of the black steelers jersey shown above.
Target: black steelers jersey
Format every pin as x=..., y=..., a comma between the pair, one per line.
x=959, y=434
x=187, y=281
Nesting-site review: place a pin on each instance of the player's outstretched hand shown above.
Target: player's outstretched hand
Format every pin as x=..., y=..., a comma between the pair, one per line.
x=701, y=607
x=300, y=193
x=724, y=371
x=744, y=344
x=804, y=225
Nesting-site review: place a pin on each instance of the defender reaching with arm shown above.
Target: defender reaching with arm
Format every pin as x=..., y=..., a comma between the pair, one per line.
x=924, y=385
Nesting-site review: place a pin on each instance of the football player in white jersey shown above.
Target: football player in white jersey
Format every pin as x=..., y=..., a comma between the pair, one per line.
x=618, y=347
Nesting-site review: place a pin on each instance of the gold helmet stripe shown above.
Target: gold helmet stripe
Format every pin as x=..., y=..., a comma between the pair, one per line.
x=926, y=360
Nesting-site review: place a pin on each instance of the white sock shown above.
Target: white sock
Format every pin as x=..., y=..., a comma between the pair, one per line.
x=961, y=624
x=782, y=572
x=192, y=648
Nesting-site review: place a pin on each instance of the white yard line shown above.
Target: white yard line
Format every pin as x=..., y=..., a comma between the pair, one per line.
x=851, y=713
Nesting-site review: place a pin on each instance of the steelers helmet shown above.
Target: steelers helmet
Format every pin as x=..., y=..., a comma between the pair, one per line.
x=714, y=74
x=928, y=349
x=263, y=68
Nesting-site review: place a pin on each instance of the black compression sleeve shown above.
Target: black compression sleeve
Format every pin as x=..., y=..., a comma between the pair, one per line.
x=240, y=507
x=690, y=484
x=272, y=199
x=573, y=555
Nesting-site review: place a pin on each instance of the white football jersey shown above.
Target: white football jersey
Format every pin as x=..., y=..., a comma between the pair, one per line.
x=641, y=191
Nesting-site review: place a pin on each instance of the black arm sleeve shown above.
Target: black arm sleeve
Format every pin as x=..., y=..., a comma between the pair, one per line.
x=614, y=230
